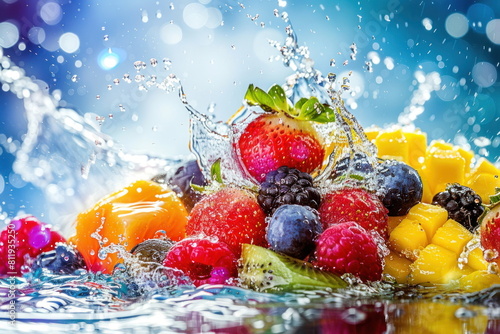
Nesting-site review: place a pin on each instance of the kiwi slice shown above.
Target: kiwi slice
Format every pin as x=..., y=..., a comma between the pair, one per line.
x=264, y=270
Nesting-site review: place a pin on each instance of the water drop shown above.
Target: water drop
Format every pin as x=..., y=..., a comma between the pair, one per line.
x=345, y=62
x=122, y=108
x=332, y=77
x=276, y=13
x=74, y=78
x=139, y=77
x=98, y=97
x=126, y=78
x=369, y=66
x=354, y=51
x=109, y=87
x=167, y=63
x=116, y=81
x=332, y=62
x=482, y=142
x=171, y=6
x=233, y=47
x=139, y=65
x=153, y=62
x=106, y=37
x=110, y=116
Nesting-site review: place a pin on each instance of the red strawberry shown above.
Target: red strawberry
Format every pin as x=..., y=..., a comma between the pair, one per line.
x=490, y=230
x=204, y=260
x=232, y=215
x=354, y=204
x=274, y=140
x=284, y=135
x=24, y=239
x=348, y=248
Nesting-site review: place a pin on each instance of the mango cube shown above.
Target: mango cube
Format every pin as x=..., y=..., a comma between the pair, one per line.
x=393, y=221
x=408, y=238
x=431, y=217
x=484, y=185
x=392, y=145
x=444, y=166
x=435, y=264
x=476, y=261
x=453, y=236
x=478, y=280
x=397, y=266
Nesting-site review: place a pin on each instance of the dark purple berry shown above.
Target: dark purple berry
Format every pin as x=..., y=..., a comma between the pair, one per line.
x=287, y=186
x=462, y=203
x=400, y=185
x=293, y=230
x=64, y=259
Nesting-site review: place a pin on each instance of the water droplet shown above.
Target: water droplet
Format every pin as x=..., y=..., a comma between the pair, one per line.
x=482, y=141
x=110, y=116
x=345, y=62
x=171, y=6
x=332, y=77
x=98, y=97
x=116, y=81
x=332, y=62
x=122, y=108
x=167, y=63
x=126, y=78
x=154, y=128
x=153, y=62
x=109, y=87
x=233, y=47
x=74, y=78
x=369, y=66
x=139, y=77
x=139, y=65
x=276, y=13
x=354, y=51
x=106, y=37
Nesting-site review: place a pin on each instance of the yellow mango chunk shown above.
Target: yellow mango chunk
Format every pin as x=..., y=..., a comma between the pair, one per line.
x=372, y=133
x=452, y=235
x=408, y=238
x=436, y=265
x=392, y=145
x=478, y=280
x=417, y=147
x=484, y=185
x=397, y=266
x=431, y=217
x=444, y=166
x=476, y=261
x=393, y=221
x=484, y=166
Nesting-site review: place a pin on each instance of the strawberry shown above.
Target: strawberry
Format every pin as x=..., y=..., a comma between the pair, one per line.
x=232, y=215
x=283, y=135
x=490, y=229
x=354, y=204
x=348, y=248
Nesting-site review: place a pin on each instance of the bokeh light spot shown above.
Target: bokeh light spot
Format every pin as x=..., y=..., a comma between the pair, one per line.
x=195, y=15
x=9, y=34
x=479, y=14
x=107, y=59
x=493, y=31
x=214, y=18
x=51, y=13
x=456, y=25
x=449, y=89
x=69, y=42
x=171, y=34
x=36, y=35
x=484, y=74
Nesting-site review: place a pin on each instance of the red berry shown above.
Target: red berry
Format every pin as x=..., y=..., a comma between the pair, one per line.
x=348, y=248
x=204, y=260
x=490, y=233
x=232, y=215
x=275, y=140
x=22, y=241
x=354, y=204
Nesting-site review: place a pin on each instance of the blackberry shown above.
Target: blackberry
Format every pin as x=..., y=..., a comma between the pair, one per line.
x=462, y=203
x=287, y=186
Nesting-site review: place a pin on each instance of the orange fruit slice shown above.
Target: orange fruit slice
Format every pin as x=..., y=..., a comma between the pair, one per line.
x=141, y=211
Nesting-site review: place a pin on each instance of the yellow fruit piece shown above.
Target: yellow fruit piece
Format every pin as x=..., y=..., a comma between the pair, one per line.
x=393, y=221
x=478, y=280
x=476, y=261
x=408, y=238
x=372, y=133
x=431, y=217
x=484, y=166
x=484, y=185
x=393, y=145
x=443, y=166
x=436, y=265
x=431, y=317
x=397, y=266
x=452, y=235
x=417, y=147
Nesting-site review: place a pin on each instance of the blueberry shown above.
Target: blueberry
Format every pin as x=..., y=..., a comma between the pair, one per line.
x=401, y=186
x=359, y=164
x=64, y=259
x=293, y=229
x=180, y=182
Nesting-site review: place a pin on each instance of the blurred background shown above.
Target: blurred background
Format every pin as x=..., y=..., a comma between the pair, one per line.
x=435, y=59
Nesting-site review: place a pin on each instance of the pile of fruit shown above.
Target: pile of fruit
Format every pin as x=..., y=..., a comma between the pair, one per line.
x=418, y=213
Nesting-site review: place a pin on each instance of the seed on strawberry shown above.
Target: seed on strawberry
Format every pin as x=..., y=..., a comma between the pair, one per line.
x=204, y=260
x=22, y=241
x=354, y=204
x=232, y=215
x=348, y=248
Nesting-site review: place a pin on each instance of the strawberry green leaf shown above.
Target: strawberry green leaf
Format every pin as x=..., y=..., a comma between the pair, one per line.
x=249, y=95
x=494, y=199
x=326, y=116
x=300, y=103
x=279, y=97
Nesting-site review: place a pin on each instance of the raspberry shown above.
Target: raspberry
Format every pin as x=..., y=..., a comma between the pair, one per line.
x=354, y=204
x=287, y=186
x=348, y=248
x=204, y=260
x=462, y=203
x=28, y=237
